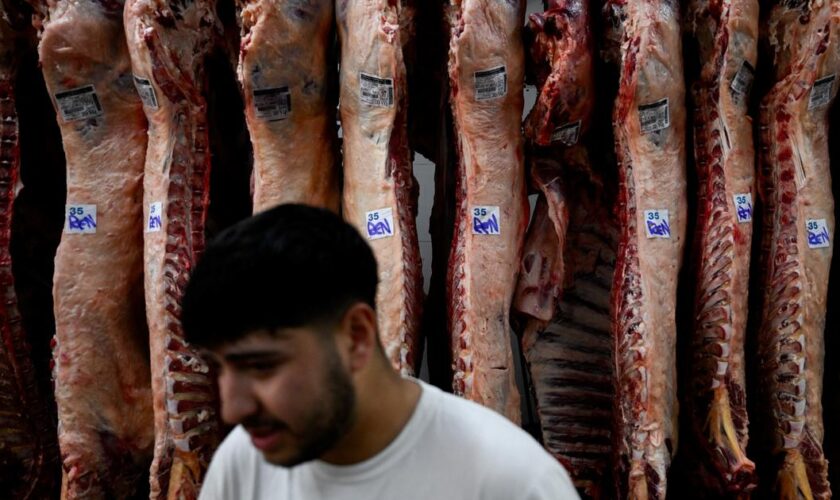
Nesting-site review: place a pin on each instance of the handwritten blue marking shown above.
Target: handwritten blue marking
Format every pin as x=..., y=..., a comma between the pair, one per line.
x=379, y=228
x=745, y=212
x=818, y=238
x=82, y=224
x=154, y=222
x=490, y=226
x=659, y=229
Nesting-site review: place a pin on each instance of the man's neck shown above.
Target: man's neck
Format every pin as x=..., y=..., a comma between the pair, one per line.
x=384, y=408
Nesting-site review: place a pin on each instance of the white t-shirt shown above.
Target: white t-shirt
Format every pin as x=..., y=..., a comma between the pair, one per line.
x=450, y=449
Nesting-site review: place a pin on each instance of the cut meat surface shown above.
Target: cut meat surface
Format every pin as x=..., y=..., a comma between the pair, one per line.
x=795, y=182
x=541, y=274
x=168, y=43
x=101, y=371
x=28, y=452
x=486, y=72
x=380, y=192
x=285, y=68
x=726, y=35
x=649, y=125
x=560, y=59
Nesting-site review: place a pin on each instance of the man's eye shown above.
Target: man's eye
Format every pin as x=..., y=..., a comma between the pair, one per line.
x=262, y=367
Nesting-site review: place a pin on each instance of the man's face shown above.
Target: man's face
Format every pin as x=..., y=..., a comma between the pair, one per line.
x=289, y=390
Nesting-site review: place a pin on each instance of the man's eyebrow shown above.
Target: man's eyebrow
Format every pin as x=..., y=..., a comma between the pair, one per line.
x=235, y=357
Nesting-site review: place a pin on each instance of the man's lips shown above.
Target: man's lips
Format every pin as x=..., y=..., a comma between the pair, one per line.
x=265, y=438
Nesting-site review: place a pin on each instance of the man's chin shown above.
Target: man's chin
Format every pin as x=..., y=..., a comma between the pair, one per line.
x=283, y=459
x=290, y=456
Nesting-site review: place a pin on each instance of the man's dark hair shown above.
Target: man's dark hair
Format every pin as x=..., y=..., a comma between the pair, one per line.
x=290, y=266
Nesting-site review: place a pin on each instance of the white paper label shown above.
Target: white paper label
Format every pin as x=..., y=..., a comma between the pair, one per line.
x=567, y=134
x=490, y=83
x=380, y=223
x=743, y=207
x=78, y=104
x=657, y=224
x=155, y=219
x=146, y=91
x=818, y=236
x=655, y=116
x=272, y=104
x=80, y=219
x=743, y=80
x=821, y=92
x=486, y=220
x=376, y=91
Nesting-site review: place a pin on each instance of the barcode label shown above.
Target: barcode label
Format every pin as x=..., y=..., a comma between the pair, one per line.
x=272, y=104
x=490, y=83
x=80, y=219
x=78, y=104
x=376, y=91
x=567, y=134
x=742, y=82
x=155, y=220
x=380, y=223
x=146, y=91
x=655, y=116
x=821, y=92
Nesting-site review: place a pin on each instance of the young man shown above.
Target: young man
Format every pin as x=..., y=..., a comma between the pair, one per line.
x=283, y=305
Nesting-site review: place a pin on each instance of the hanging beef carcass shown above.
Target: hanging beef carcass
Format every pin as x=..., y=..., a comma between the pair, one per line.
x=168, y=43
x=486, y=72
x=725, y=35
x=563, y=294
x=28, y=449
x=560, y=51
x=102, y=379
x=286, y=69
x=380, y=192
x=795, y=188
x=649, y=124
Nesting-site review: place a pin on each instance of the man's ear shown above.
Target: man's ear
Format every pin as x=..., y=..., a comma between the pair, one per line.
x=358, y=336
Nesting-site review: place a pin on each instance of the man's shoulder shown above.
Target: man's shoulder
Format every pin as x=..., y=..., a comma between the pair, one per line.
x=506, y=461
x=482, y=429
x=235, y=445
x=233, y=468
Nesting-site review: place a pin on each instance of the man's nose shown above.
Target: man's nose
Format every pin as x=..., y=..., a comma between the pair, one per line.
x=238, y=401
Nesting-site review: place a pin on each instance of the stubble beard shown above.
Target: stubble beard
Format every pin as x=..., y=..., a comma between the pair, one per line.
x=328, y=423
